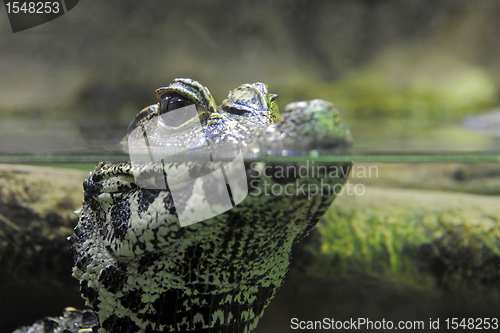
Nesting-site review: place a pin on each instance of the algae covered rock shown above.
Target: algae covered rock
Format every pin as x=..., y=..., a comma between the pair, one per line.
x=448, y=240
x=37, y=207
x=390, y=252
x=411, y=254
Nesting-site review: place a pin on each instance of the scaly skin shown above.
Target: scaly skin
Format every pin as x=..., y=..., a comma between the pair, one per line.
x=140, y=271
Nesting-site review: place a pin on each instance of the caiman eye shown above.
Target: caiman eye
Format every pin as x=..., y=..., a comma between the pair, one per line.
x=173, y=102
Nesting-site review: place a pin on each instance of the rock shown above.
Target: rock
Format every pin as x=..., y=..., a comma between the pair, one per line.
x=37, y=207
x=423, y=252
x=478, y=178
x=398, y=254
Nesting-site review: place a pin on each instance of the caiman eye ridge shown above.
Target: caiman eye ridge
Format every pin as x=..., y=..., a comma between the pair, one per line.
x=141, y=271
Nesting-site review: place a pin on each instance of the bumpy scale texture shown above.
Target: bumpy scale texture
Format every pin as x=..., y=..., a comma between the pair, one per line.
x=140, y=271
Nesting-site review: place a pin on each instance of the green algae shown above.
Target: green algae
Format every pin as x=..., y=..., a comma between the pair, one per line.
x=426, y=240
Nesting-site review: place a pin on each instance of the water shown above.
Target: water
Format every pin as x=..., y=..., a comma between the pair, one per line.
x=414, y=237
x=416, y=240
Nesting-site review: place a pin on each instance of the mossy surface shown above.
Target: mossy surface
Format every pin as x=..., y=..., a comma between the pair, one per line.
x=427, y=240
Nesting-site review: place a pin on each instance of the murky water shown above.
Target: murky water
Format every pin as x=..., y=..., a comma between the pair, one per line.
x=412, y=237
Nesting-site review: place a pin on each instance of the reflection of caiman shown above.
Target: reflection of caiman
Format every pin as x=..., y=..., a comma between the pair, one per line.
x=141, y=272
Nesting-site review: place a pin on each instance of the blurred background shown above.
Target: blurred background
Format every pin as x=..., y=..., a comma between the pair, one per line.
x=403, y=73
x=409, y=76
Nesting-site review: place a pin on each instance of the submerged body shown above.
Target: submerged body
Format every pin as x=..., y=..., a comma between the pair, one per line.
x=142, y=270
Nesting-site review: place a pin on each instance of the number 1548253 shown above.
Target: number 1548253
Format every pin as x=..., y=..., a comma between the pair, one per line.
x=34, y=7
